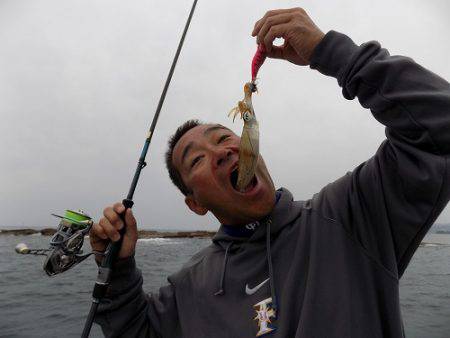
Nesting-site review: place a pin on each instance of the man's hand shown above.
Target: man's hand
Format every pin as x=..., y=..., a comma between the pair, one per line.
x=300, y=35
x=107, y=229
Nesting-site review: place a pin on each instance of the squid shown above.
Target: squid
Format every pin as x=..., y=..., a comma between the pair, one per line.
x=249, y=145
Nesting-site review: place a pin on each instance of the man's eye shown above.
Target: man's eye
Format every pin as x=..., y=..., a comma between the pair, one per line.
x=195, y=160
x=223, y=138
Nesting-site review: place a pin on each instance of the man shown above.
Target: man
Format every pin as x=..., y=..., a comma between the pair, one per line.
x=325, y=267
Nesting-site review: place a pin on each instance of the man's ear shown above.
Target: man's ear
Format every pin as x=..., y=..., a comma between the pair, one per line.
x=194, y=205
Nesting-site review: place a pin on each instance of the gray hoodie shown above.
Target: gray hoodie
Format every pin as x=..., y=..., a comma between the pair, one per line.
x=328, y=266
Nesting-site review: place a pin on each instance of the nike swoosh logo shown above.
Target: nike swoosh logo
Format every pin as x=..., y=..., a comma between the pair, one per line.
x=251, y=291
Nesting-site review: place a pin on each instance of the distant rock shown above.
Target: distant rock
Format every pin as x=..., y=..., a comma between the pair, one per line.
x=440, y=228
x=178, y=234
x=19, y=232
x=141, y=233
x=48, y=232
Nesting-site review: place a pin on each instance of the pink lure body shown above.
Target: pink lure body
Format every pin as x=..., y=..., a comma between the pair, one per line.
x=258, y=60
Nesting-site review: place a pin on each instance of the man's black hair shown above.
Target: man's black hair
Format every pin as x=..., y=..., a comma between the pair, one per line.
x=173, y=172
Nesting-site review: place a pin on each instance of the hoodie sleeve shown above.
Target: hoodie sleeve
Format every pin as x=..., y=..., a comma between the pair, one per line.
x=128, y=312
x=389, y=202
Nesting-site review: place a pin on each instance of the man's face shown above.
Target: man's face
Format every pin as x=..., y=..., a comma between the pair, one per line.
x=205, y=157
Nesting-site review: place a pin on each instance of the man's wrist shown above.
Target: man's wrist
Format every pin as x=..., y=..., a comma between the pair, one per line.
x=125, y=263
x=315, y=42
x=332, y=54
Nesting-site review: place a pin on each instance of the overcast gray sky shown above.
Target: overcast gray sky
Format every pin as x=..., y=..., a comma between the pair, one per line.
x=80, y=80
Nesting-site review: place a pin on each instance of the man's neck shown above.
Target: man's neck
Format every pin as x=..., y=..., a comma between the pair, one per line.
x=248, y=228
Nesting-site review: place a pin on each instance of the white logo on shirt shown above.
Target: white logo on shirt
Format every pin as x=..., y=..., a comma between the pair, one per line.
x=250, y=291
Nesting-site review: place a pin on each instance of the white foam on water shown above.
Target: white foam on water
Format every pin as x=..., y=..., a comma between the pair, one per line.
x=159, y=241
x=430, y=244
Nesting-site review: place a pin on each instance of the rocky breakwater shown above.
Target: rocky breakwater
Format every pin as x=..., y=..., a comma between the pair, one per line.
x=25, y=232
x=178, y=234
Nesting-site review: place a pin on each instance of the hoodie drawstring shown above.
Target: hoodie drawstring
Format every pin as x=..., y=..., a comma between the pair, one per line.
x=221, y=290
x=269, y=262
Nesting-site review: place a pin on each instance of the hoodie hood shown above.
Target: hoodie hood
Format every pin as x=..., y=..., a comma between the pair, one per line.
x=284, y=213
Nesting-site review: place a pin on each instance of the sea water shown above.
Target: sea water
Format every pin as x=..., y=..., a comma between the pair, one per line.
x=34, y=305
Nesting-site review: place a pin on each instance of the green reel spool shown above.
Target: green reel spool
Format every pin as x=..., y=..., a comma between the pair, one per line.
x=77, y=217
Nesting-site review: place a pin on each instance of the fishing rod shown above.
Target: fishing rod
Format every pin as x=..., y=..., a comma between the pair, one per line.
x=113, y=248
x=66, y=244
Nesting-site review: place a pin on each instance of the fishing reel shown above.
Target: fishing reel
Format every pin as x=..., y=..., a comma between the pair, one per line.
x=66, y=244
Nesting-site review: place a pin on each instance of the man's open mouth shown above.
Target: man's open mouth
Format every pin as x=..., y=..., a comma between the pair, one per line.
x=234, y=178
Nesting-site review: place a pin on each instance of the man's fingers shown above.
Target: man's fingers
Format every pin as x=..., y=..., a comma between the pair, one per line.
x=97, y=231
x=269, y=14
x=112, y=222
x=277, y=31
x=270, y=22
x=109, y=229
x=113, y=217
x=119, y=208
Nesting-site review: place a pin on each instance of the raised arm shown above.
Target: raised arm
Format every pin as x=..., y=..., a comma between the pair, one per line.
x=389, y=202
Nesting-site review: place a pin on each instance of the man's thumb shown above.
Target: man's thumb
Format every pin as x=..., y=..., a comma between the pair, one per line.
x=130, y=221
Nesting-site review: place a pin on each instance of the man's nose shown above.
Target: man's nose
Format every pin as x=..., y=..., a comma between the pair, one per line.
x=223, y=156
